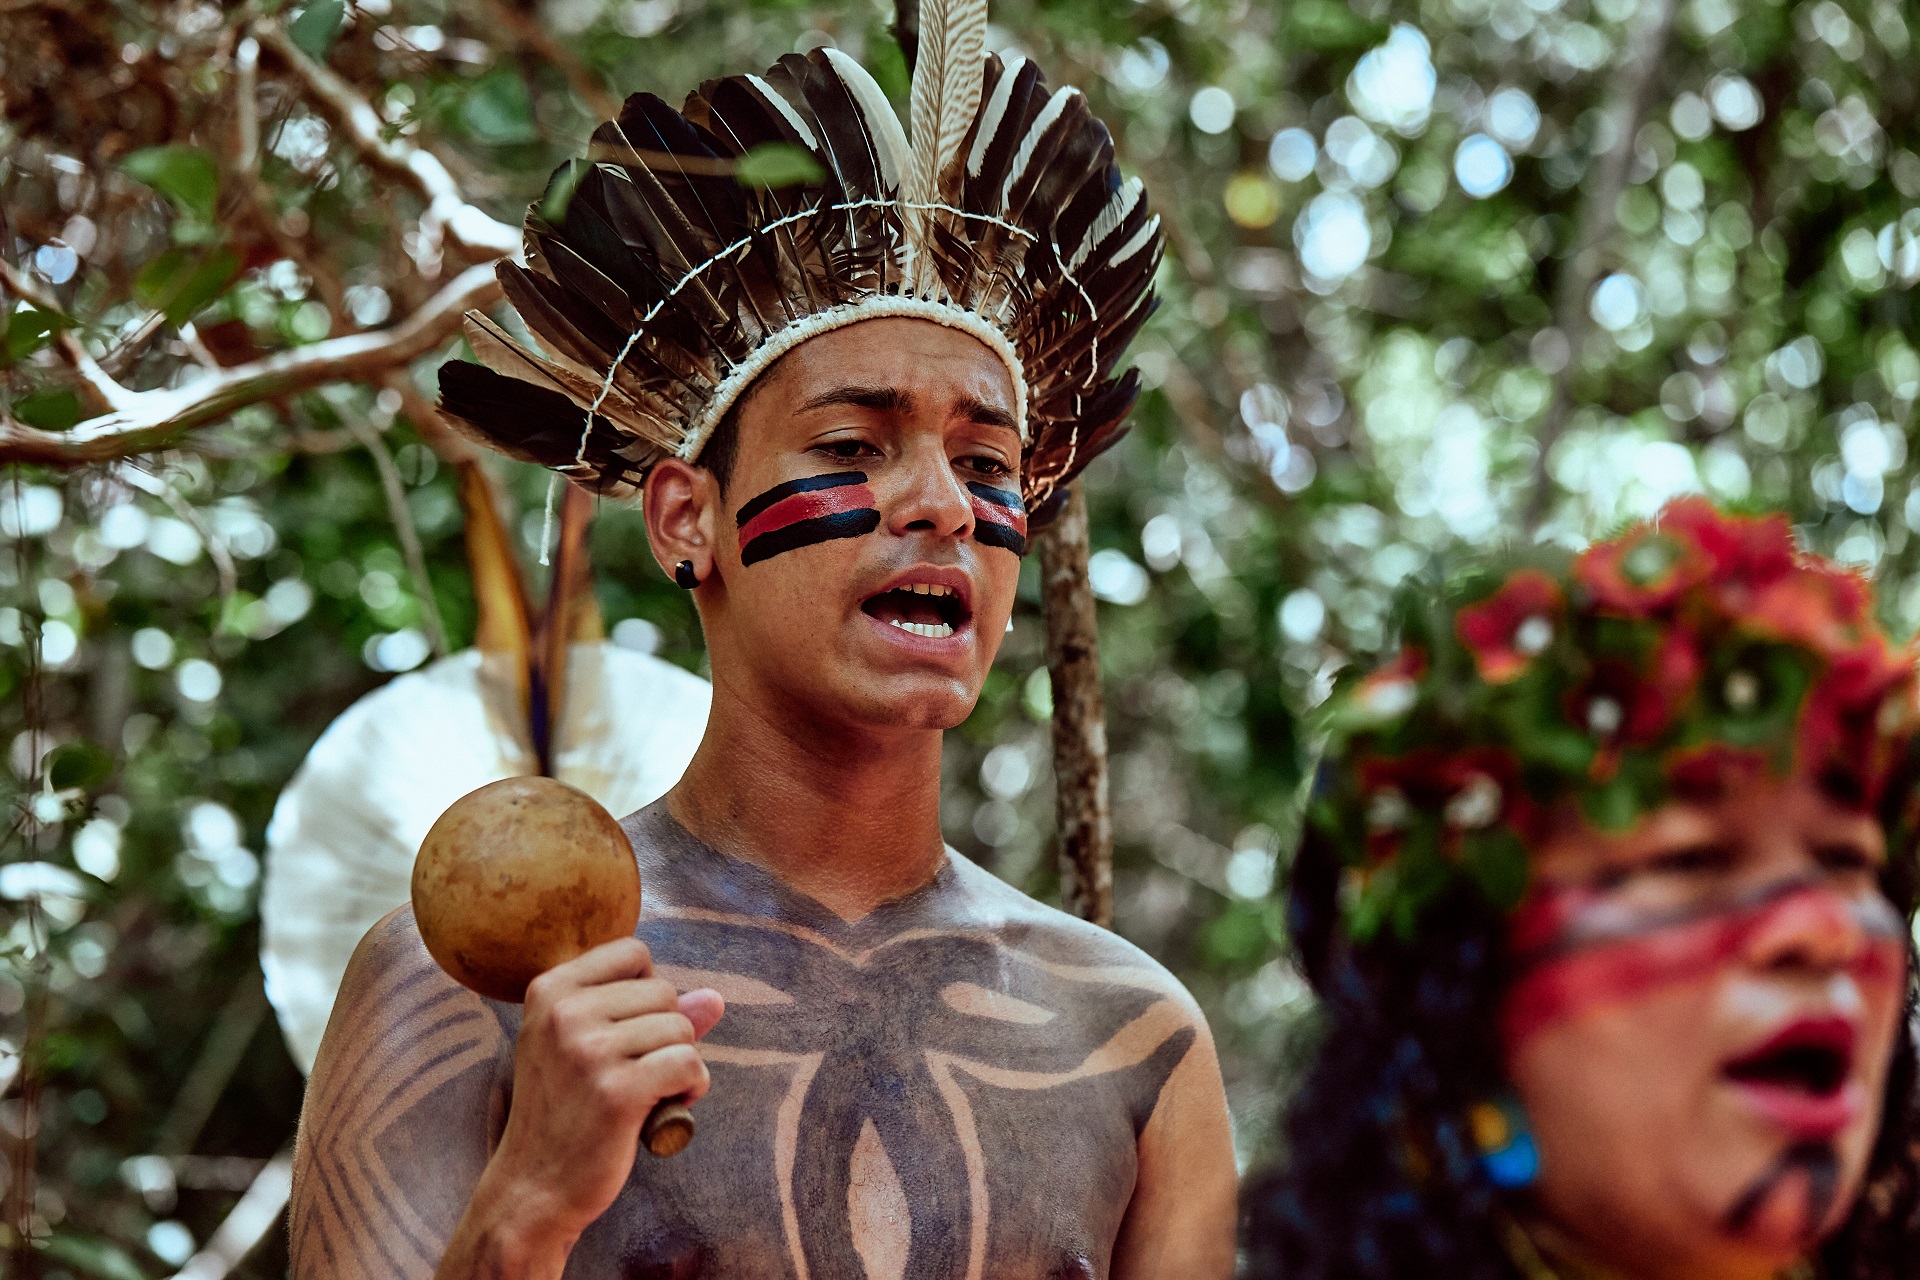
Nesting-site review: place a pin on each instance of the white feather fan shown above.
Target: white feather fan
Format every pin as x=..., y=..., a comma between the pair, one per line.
x=341, y=844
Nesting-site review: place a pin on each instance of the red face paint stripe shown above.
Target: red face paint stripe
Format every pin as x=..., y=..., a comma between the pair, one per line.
x=1629, y=967
x=999, y=518
x=806, y=506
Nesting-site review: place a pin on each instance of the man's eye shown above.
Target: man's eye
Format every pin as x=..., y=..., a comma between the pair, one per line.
x=986, y=466
x=845, y=450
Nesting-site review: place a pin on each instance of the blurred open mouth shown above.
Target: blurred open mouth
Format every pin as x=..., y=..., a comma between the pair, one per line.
x=932, y=610
x=1802, y=1077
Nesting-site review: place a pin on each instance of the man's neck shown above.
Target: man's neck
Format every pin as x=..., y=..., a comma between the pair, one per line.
x=848, y=816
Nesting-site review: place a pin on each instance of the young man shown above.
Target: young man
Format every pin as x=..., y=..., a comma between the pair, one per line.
x=840, y=398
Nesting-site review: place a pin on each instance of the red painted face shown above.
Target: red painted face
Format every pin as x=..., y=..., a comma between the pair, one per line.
x=1699, y=1024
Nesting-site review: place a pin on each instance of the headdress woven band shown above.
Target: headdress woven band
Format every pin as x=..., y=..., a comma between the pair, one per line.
x=1667, y=663
x=658, y=286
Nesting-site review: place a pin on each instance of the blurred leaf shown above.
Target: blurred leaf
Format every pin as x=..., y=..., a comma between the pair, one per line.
x=94, y=1256
x=1497, y=861
x=498, y=110
x=29, y=329
x=78, y=764
x=186, y=175
x=889, y=65
x=560, y=189
x=1325, y=24
x=777, y=164
x=179, y=282
x=50, y=409
x=317, y=27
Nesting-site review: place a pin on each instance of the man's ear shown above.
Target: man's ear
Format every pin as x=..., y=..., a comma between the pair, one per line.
x=682, y=507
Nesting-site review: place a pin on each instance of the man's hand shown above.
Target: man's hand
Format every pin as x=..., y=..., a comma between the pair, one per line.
x=601, y=1042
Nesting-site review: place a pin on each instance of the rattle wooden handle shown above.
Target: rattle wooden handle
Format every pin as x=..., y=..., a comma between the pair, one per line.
x=668, y=1128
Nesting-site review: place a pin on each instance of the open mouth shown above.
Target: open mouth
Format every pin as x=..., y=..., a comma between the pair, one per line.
x=1813, y=1057
x=928, y=609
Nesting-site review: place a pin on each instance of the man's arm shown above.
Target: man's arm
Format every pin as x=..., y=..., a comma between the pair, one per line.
x=407, y=1097
x=1180, y=1222
x=411, y=1162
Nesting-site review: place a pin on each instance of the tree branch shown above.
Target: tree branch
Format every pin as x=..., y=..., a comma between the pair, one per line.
x=1636, y=72
x=354, y=116
x=150, y=419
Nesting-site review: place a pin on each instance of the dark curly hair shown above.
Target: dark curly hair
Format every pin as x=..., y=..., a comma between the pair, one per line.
x=1381, y=1179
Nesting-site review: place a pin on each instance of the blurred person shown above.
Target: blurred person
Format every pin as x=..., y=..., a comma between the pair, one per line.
x=840, y=393
x=1607, y=892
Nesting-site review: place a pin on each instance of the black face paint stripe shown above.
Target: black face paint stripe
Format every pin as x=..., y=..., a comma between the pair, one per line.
x=806, y=484
x=999, y=518
x=804, y=533
x=1818, y=1161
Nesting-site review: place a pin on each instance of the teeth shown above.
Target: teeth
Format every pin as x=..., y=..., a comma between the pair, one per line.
x=932, y=630
x=927, y=589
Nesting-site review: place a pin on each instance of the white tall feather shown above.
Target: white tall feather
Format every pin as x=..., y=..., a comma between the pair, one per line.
x=889, y=139
x=946, y=94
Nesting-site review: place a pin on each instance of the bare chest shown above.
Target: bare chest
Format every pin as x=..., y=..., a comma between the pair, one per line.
x=938, y=1105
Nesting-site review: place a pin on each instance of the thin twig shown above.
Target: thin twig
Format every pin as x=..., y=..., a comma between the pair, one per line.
x=403, y=526
x=354, y=116
x=208, y=1077
x=1642, y=54
x=152, y=418
x=209, y=536
x=246, y=1224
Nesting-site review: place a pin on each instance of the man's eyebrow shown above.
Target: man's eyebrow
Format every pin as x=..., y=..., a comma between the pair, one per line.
x=987, y=415
x=883, y=399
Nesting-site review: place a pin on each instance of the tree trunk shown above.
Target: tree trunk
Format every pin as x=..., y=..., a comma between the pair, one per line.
x=1079, y=718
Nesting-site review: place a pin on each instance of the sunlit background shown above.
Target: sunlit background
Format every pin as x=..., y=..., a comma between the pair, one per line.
x=1441, y=275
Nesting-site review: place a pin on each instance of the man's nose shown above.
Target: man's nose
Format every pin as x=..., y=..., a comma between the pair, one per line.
x=1813, y=929
x=927, y=496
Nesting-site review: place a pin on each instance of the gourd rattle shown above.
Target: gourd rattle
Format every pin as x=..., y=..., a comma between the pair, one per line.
x=522, y=875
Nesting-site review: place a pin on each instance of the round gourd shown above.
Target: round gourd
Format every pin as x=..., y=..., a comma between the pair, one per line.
x=519, y=876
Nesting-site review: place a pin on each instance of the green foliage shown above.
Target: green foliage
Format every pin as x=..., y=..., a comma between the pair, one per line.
x=93, y=1256
x=181, y=281
x=188, y=176
x=777, y=164
x=318, y=26
x=497, y=110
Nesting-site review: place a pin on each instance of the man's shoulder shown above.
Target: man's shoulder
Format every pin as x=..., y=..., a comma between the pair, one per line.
x=1027, y=924
x=392, y=992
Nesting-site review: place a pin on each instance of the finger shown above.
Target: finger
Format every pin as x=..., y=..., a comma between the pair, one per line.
x=703, y=1007
x=676, y=1071
x=608, y=962
x=637, y=1037
x=627, y=998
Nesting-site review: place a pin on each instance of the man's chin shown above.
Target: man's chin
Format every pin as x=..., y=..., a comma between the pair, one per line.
x=908, y=700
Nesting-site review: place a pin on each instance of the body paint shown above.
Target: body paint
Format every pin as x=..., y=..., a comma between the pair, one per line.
x=1574, y=952
x=803, y=512
x=1818, y=1162
x=999, y=518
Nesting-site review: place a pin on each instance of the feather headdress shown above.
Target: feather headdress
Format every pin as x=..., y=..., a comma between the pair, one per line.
x=660, y=285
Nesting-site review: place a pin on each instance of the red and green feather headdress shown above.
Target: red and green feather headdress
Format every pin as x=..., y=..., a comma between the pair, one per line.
x=1667, y=662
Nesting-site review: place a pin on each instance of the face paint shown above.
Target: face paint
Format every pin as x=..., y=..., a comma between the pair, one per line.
x=802, y=512
x=1820, y=1164
x=1575, y=951
x=999, y=517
